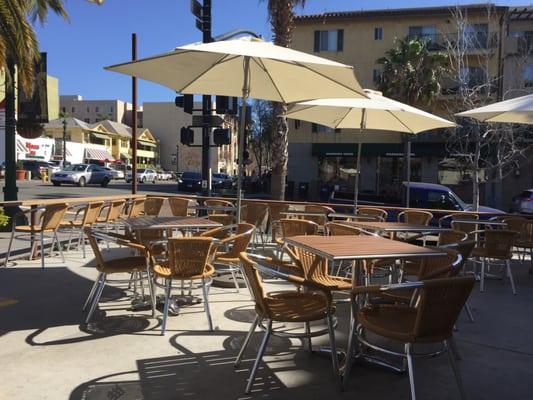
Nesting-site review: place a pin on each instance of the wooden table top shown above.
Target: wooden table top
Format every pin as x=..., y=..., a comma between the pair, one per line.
x=215, y=208
x=336, y=248
x=170, y=223
x=69, y=200
x=305, y=213
x=379, y=226
x=478, y=222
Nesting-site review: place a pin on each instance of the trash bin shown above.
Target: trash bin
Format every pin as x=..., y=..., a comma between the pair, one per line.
x=289, y=190
x=303, y=191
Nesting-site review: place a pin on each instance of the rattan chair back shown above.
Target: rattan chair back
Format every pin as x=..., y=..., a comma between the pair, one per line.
x=136, y=207
x=378, y=213
x=275, y=211
x=439, y=266
x=91, y=212
x=114, y=210
x=415, y=217
x=100, y=262
x=179, y=206
x=525, y=239
x=321, y=220
x=297, y=227
x=498, y=243
x=217, y=203
x=224, y=219
x=451, y=237
x=465, y=250
x=254, y=213
x=439, y=305
x=314, y=268
x=461, y=226
x=339, y=229
x=153, y=205
x=52, y=216
x=515, y=223
x=189, y=256
x=239, y=241
x=255, y=284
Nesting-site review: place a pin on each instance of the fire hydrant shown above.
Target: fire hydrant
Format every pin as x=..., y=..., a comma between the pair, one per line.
x=44, y=176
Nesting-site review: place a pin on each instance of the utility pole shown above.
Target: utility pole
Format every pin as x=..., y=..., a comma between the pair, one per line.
x=10, y=188
x=206, y=107
x=64, y=141
x=134, y=118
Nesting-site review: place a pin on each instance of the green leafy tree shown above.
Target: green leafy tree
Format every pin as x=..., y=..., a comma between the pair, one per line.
x=411, y=73
x=281, y=16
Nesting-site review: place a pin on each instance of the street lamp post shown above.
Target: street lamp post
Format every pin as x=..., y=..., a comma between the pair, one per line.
x=64, y=141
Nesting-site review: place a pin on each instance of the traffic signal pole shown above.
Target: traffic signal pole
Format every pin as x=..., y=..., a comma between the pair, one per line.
x=206, y=107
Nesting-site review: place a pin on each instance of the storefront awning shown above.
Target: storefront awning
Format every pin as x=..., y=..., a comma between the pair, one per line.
x=99, y=136
x=98, y=154
x=149, y=144
x=125, y=156
x=377, y=149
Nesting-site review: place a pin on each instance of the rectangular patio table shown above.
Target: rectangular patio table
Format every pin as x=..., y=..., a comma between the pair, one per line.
x=214, y=208
x=395, y=227
x=302, y=213
x=479, y=222
x=148, y=222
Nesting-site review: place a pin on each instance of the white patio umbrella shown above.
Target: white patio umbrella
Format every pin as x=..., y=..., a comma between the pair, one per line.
x=376, y=113
x=518, y=111
x=246, y=67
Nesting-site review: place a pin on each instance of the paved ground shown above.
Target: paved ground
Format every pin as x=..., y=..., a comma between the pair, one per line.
x=48, y=353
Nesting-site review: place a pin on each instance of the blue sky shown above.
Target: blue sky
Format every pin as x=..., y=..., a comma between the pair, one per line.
x=99, y=36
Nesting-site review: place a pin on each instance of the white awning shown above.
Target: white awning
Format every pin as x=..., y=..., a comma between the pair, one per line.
x=98, y=154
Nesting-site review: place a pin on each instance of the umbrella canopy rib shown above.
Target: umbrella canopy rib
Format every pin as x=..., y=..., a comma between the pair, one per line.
x=262, y=65
x=220, y=61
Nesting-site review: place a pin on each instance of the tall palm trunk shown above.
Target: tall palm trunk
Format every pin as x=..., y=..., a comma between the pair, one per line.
x=281, y=15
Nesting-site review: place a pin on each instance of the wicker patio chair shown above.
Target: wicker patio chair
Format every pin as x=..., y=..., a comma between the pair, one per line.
x=416, y=217
x=110, y=213
x=275, y=214
x=451, y=237
x=189, y=259
x=217, y=203
x=339, y=229
x=136, y=265
x=524, y=241
x=179, y=206
x=84, y=217
x=224, y=219
x=320, y=220
x=134, y=207
x=235, y=239
x=465, y=227
x=285, y=307
x=378, y=213
x=256, y=214
x=430, y=319
x=48, y=222
x=494, y=245
x=288, y=227
x=153, y=205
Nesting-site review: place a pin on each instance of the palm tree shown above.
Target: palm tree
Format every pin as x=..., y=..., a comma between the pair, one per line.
x=281, y=16
x=411, y=73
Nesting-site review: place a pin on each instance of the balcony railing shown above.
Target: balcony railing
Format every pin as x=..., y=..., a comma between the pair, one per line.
x=472, y=41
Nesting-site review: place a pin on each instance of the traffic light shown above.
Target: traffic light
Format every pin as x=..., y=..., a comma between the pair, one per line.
x=221, y=136
x=226, y=105
x=186, y=136
x=186, y=102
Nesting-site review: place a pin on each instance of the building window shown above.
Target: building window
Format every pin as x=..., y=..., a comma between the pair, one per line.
x=376, y=75
x=73, y=109
x=111, y=109
x=378, y=33
x=88, y=120
x=426, y=33
x=528, y=75
x=331, y=40
x=64, y=109
x=97, y=109
x=88, y=109
x=474, y=36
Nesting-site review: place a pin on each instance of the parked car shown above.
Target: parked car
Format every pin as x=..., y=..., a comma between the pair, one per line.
x=163, y=175
x=117, y=174
x=523, y=203
x=221, y=181
x=190, y=182
x=81, y=175
x=143, y=176
x=37, y=167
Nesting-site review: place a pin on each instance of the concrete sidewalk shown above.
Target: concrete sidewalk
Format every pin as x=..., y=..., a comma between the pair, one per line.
x=48, y=353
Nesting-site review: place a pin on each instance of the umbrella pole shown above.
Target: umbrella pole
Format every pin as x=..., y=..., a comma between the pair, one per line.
x=358, y=162
x=408, y=172
x=242, y=127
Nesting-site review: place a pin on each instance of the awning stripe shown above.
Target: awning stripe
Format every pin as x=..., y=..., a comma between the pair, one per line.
x=98, y=154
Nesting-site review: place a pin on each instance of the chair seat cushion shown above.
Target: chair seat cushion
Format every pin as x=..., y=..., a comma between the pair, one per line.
x=164, y=271
x=124, y=264
x=296, y=306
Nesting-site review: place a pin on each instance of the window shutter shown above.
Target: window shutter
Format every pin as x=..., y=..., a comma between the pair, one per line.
x=316, y=47
x=314, y=128
x=296, y=123
x=340, y=39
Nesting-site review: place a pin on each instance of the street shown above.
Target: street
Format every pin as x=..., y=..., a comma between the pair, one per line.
x=37, y=189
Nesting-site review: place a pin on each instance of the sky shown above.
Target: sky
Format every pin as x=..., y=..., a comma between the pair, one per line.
x=98, y=36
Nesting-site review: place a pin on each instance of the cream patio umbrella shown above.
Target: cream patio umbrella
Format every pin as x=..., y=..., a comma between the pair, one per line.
x=246, y=67
x=376, y=113
x=517, y=111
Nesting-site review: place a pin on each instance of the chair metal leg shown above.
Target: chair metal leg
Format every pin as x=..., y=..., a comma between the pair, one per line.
x=457, y=373
x=246, y=341
x=168, y=284
x=350, y=351
x=83, y=243
x=9, y=247
x=482, y=277
x=259, y=357
x=91, y=293
x=411, y=371
x=510, y=274
x=59, y=247
x=234, y=277
x=205, y=291
x=152, y=290
x=96, y=298
x=308, y=338
x=333, y=345
x=42, y=249
x=469, y=312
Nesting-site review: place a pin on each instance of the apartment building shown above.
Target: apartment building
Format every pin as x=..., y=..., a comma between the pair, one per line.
x=91, y=111
x=165, y=120
x=318, y=155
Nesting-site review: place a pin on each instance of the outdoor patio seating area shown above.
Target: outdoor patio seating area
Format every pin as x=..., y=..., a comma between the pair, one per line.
x=161, y=298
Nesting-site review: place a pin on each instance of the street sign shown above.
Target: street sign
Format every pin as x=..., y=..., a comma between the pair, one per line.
x=196, y=9
x=207, y=120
